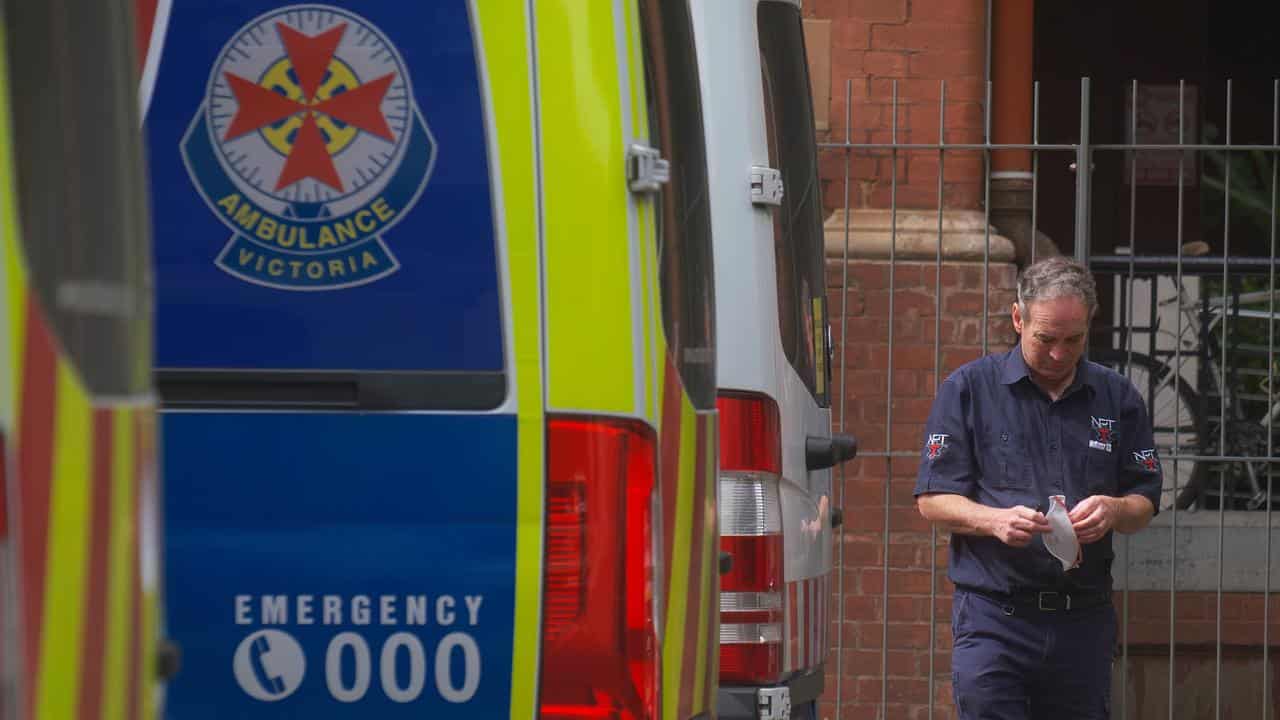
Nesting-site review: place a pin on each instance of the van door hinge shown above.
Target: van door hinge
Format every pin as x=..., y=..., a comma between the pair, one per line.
x=647, y=172
x=766, y=186
x=774, y=703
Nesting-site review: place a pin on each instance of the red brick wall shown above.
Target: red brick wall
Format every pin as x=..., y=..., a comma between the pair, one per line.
x=866, y=397
x=918, y=43
x=1197, y=614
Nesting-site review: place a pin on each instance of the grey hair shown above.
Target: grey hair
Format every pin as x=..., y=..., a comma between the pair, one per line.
x=1056, y=277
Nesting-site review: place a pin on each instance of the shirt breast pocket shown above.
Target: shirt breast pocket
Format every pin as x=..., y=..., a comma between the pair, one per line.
x=1101, y=472
x=1012, y=469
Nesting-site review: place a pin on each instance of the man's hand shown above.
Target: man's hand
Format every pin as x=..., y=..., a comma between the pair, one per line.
x=1014, y=526
x=1093, y=517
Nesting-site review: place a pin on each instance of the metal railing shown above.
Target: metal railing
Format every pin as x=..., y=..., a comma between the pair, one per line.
x=1174, y=263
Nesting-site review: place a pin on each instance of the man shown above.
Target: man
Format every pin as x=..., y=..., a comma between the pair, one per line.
x=1006, y=432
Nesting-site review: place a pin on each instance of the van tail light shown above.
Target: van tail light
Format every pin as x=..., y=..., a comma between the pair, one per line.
x=8, y=601
x=600, y=655
x=751, y=619
x=4, y=489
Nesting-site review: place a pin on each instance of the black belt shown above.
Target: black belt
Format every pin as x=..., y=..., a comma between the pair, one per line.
x=1045, y=600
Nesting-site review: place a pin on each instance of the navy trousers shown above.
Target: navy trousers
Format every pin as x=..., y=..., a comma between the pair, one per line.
x=1016, y=663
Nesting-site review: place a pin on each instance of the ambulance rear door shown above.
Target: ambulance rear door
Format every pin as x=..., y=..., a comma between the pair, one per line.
x=350, y=525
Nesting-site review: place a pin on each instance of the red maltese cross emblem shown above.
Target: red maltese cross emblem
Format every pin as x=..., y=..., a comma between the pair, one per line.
x=310, y=58
x=1104, y=429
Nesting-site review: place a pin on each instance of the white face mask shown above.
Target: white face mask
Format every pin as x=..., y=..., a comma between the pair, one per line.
x=1061, y=539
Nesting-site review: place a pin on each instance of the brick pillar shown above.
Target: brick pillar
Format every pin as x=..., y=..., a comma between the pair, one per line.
x=868, y=388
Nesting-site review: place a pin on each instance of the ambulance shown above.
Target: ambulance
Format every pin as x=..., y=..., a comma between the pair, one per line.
x=776, y=445
x=436, y=358
x=79, y=539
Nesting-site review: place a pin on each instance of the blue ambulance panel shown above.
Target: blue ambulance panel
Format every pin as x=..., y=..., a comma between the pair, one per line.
x=316, y=569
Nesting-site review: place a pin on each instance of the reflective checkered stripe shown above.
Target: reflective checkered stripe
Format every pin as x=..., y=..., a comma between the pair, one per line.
x=806, y=611
x=86, y=581
x=78, y=474
x=83, y=481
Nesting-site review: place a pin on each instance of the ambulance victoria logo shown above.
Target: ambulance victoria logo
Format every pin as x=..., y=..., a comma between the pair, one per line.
x=936, y=444
x=309, y=147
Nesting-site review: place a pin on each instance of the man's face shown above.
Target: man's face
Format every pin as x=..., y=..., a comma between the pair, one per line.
x=1053, y=336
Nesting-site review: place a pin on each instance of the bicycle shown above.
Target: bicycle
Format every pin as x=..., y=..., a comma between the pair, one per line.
x=1188, y=422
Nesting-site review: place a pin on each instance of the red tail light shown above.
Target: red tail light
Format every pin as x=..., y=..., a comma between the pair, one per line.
x=8, y=609
x=750, y=433
x=751, y=594
x=4, y=507
x=600, y=651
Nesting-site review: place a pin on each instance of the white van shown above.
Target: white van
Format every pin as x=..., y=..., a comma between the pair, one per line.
x=774, y=357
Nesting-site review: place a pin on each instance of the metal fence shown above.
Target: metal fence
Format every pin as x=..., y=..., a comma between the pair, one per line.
x=1192, y=325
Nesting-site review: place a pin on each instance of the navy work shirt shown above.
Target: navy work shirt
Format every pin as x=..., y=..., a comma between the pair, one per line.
x=995, y=437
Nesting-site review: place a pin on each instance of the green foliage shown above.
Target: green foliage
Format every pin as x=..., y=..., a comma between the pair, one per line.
x=1253, y=182
x=1251, y=206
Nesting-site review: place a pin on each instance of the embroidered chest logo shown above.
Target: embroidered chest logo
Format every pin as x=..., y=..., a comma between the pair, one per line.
x=308, y=146
x=1147, y=459
x=936, y=444
x=1104, y=431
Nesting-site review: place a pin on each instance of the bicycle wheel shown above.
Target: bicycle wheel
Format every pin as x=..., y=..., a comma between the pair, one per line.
x=1175, y=417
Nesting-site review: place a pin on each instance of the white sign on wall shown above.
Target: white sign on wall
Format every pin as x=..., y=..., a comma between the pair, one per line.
x=1157, y=124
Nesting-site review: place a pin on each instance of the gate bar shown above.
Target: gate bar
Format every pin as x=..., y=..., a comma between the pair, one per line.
x=1171, y=147
x=888, y=424
x=1128, y=294
x=980, y=146
x=1084, y=160
x=1205, y=265
x=1035, y=161
x=1188, y=457
x=1271, y=351
x=1177, y=404
x=986, y=220
x=1222, y=422
x=1073, y=147
x=844, y=345
x=937, y=378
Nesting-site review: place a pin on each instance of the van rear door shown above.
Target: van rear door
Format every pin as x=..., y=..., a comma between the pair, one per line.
x=802, y=316
x=334, y=358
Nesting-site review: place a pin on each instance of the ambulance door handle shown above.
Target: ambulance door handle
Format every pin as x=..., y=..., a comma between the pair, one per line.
x=168, y=659
x=726, y=562
x=766, y=186
x=821, y=453
x=647, y=171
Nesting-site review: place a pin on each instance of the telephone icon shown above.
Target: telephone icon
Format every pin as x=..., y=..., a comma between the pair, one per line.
x=269, y=665
x=260, y=660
